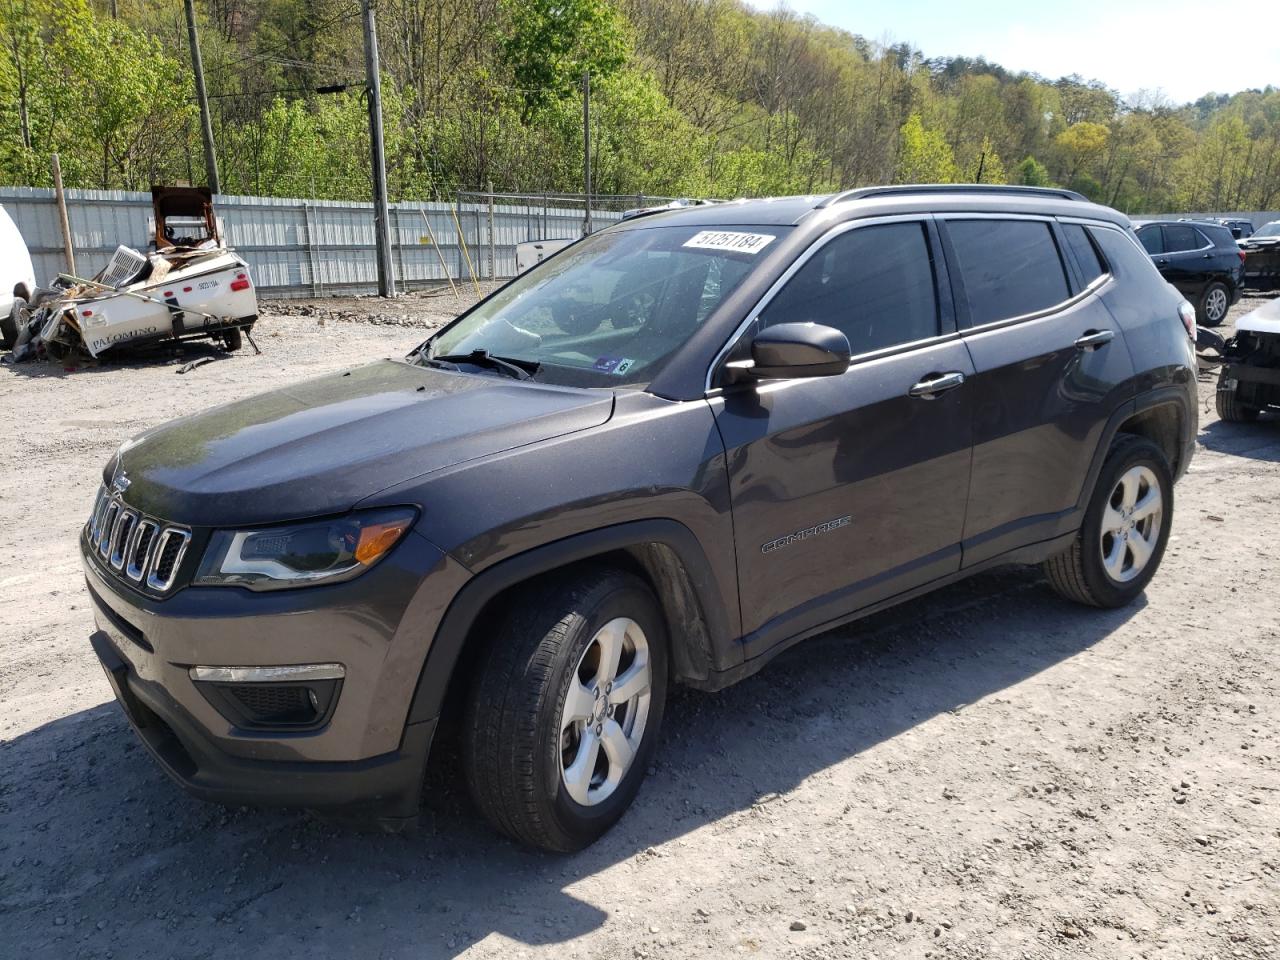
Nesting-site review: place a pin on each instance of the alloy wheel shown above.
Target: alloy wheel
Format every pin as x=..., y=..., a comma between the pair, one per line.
x=1131, y=523
x=605, y=712
x=1215, y=305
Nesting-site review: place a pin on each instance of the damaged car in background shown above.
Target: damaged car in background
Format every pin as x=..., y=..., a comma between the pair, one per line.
x=1250, y=379
x=191, y=287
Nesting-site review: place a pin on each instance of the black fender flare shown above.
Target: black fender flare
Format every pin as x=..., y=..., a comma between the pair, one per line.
x=1159, y=397
x=455, y=627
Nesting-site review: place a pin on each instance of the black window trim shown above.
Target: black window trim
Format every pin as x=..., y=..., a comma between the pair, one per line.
x=958, y=294
x=947, y=317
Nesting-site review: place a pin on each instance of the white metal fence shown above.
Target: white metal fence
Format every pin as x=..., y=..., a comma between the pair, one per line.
x=302, y=248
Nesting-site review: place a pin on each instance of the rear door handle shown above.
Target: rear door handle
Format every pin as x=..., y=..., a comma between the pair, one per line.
x=1093, y=339
x=931, y=386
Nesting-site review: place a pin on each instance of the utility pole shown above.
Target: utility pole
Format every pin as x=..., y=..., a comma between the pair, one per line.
x=68, y=249
x=586, y=148
x=206, y=124
x=381, y=214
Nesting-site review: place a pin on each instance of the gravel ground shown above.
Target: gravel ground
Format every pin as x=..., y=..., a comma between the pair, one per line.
x=989, y=772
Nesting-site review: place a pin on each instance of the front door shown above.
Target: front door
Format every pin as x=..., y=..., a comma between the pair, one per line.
x=849, y=489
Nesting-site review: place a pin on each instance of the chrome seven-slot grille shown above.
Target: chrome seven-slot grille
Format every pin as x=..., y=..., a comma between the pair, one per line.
x=135, y=546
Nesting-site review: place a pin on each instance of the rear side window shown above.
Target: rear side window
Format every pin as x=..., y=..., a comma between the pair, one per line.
x=1126, y=260
x=1091, y=267
x=1181, y=236
x=875, y=284
x=1009, y=267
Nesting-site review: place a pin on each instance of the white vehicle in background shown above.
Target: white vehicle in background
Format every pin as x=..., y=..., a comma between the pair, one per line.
x=192, y=286
x=533, y=252
x=17, y=276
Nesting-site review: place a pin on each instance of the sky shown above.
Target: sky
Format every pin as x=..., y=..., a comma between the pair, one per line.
x=1184, y=49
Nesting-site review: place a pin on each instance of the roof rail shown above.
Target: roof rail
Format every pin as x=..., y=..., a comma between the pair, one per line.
x=862, y=193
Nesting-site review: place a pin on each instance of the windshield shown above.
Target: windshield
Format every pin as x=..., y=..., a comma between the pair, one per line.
x=612, y=308
x=1271, y=229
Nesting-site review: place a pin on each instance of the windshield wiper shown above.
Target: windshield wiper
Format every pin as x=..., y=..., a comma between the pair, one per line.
x=520, y=369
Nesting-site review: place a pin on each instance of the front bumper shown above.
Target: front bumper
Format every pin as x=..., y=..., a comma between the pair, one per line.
x=387, y=787
x=365, y=757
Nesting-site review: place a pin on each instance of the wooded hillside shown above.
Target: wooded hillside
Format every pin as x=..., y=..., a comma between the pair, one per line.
x=689, y=97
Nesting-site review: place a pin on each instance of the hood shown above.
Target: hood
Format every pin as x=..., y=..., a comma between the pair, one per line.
x=321, y=446
x=1265, y=319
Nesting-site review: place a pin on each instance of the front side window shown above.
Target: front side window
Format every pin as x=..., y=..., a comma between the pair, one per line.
x=875, y=284
x=1009, y=268
x=1179, y=237
x=611, y=309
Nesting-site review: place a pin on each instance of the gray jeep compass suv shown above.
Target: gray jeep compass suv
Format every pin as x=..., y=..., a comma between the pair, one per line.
x=662, y=456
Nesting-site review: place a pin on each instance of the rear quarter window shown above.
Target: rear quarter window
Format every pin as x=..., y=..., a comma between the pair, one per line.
x=1009, y=268
x=1087, y=260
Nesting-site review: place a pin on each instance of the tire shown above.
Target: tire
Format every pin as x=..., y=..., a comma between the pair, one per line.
x=520, y=750
x=12, y=325
x=1080, y=572
x=1231, y=409
x=1214, y=304
x=233, y=339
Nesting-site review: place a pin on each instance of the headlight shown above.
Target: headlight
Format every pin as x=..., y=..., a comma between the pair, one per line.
x=301, y=554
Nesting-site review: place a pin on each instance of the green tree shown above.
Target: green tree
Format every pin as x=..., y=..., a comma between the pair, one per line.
x=551, y=43
x=924, y=155
x=1033, y=173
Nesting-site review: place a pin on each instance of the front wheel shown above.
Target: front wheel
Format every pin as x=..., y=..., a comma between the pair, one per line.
x=12, y=325
x=1228, y=403
x=565, y=707
x=1125, y=529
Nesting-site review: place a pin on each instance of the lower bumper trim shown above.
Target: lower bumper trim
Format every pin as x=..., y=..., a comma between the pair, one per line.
x=386, y=788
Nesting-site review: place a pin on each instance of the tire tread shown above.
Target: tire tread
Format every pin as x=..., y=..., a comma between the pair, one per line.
x=514, y=677
x=1065, y=571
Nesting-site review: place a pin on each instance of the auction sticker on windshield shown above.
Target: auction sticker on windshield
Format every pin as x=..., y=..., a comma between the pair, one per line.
x=729, y=240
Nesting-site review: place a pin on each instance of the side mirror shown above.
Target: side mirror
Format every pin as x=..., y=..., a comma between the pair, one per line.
x=789, y=350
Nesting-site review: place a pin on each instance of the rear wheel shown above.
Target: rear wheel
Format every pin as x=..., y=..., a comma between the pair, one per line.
x=1214, y=303
x=1125, y=529
x=565, y=707
x=233, y=339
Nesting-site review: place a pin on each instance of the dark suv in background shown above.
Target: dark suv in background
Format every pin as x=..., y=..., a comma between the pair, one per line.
x=663, y=455
x=1201, y=259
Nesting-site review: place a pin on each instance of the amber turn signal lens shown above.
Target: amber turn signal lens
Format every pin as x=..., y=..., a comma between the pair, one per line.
x=377, y=538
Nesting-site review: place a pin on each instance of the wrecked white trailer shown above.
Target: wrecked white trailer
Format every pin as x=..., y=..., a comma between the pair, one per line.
x=191, y=287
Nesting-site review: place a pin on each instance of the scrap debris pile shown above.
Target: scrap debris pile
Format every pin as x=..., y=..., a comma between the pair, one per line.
x=193, y=286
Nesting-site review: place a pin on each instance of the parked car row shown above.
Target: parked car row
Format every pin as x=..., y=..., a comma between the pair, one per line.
x=1262, y=257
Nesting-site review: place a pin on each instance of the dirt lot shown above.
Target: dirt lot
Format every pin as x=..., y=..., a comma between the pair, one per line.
x=991, y=772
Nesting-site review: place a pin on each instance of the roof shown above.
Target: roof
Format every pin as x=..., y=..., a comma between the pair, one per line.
x=881, y=201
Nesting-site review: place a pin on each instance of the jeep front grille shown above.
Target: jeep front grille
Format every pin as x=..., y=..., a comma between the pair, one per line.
x=137, y=547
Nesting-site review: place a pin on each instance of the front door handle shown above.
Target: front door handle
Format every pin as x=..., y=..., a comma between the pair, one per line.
x=1093, y=339
x=931, y=386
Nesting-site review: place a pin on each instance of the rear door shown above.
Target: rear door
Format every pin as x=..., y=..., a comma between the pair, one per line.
x=1051, y=366
x=1188, y=258
x=849, y=489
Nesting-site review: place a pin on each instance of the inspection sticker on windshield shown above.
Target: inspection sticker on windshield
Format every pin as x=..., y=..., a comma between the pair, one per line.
x=615, y=365
x=728, y=240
